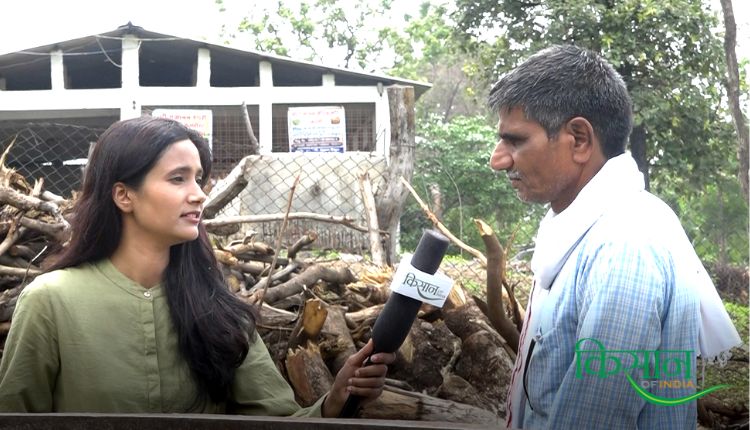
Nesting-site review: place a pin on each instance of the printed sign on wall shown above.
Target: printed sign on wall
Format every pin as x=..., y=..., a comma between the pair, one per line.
x=199, y=120
x=317, y=129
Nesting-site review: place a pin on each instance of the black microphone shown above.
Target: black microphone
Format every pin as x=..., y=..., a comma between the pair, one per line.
x=398, y=314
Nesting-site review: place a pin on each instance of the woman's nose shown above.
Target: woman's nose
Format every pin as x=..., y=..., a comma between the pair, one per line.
x=198, y=195
x=501, y=158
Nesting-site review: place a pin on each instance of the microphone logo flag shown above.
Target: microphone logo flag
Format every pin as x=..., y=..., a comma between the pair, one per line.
x=411, y=282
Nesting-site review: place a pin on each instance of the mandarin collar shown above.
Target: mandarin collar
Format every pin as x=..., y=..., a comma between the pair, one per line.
x=126, y=284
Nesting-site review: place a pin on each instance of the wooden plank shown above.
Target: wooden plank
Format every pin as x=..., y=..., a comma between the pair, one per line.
x=208, y=422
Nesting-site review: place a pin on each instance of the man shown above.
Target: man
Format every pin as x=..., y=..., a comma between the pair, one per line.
x=620, y=301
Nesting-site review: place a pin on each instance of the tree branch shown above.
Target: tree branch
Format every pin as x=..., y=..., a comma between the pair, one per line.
x=443, y=229
x=495, y=279
x=343, y=220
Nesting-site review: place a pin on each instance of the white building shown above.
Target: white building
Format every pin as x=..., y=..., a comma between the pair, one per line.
x=56, y=99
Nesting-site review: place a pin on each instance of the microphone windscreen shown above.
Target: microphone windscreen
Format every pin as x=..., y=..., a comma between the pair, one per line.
x=395, y=320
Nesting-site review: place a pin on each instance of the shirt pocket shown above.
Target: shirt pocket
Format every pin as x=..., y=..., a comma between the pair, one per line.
x=540, y=377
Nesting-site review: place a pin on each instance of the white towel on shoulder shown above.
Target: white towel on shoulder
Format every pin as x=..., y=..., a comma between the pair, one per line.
x=619, y=179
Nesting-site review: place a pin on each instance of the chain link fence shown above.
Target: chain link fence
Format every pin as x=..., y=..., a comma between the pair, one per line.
x=516, y=235
x=328, y=185
x=55, y=149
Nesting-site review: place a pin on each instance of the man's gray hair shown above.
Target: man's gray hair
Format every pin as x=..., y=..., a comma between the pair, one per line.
x=563, y=82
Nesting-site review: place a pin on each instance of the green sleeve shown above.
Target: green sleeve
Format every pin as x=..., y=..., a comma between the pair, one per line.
x=31, y=358
x=259, y=388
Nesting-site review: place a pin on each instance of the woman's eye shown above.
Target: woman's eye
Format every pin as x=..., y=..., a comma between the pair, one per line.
x=177, y=179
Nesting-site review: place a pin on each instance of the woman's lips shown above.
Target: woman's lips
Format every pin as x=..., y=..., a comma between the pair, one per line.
x=194, y=216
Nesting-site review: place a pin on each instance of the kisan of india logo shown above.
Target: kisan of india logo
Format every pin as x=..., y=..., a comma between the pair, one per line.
x=670, y=369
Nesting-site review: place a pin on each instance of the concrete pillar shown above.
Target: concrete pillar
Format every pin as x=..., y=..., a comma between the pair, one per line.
x=203, y=73
x=130, y=107
x=265, y=108
x=57, y=70
x=329, y=80
x=382, y=125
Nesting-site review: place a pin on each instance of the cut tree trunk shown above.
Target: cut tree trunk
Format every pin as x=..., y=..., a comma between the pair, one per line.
x=460, y=390
x=337, y=349
x=376, y=247
x=273, y=317
x=397, y=404
x=308, y=374
x=308, y=278
x=486, y=360
x=495, y=281
x=8, y=300
x=425, y=351
x=487, y=366
x=401, y=164
x=364, y=316
x=308, y=327
x=469, y=319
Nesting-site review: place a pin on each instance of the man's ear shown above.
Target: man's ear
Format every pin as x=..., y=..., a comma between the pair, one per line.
x=121, y=195
x=585, y=142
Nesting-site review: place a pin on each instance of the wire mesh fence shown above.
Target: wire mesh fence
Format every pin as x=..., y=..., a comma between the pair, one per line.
x=230, y=139
x=360, y=127
x=52, y=150
x=516, y=236
x=56, y=149
x=328, y=185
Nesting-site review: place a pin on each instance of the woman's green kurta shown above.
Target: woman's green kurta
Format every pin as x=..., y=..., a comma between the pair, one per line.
x=89, y=339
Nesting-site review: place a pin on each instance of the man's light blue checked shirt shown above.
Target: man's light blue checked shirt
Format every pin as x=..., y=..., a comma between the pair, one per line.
x=616, y=287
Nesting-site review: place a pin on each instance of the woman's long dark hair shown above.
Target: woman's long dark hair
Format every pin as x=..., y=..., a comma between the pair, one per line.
x=214, y=328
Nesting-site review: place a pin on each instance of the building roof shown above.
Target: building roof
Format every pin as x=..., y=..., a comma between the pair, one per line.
x=27, y=68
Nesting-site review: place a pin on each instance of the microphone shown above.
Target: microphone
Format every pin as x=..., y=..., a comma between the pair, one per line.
x=398, y=314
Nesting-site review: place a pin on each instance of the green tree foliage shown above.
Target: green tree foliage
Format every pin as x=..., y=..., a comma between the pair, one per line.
x=454, y=155
x=714, y=217
x=426, y=49
x=672, y=60
x=309, y=29
x=666, y=51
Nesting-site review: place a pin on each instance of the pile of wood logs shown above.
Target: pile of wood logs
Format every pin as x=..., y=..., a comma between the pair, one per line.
x=32, y=223
x=453, y=366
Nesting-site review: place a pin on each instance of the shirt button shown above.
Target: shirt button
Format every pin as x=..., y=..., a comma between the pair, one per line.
x=147, y=294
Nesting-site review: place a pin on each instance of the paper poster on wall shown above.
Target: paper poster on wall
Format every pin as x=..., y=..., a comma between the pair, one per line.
x=317, y=129
x=200, y=120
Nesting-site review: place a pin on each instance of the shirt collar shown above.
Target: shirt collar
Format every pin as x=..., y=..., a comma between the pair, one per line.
x=106, y=268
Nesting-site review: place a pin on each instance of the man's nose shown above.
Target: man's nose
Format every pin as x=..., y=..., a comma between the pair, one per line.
x=501, y=158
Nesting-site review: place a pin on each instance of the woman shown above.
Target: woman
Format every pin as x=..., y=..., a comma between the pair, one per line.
x=134, y=315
